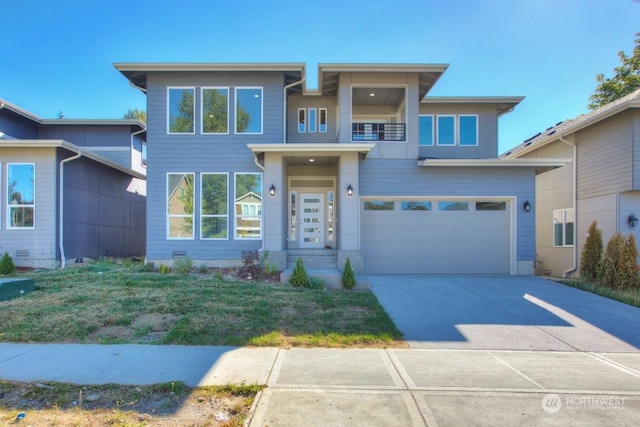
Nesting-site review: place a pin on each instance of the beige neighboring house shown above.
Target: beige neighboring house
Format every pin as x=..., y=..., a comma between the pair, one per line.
x=600, y=183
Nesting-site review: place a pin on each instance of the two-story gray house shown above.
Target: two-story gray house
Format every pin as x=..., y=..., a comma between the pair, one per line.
x=368, y=166
x=70, y=189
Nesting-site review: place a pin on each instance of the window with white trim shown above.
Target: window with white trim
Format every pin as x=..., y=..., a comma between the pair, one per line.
x=181, y=110
x=425, y=130
x=322, y=127
x=248, y=205
x=448, y=130
x=302, y=120
x=312, y=120
x=21, y=205
x=249, y=110
x=214, y=217
x=563, y=227
x=180, y=210
x=215, y=110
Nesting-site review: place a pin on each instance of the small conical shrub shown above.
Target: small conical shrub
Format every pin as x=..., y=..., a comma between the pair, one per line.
x=299, y=276
x=348, y=278
x=6, y=265
x=611, y=261
x=591, y=254
x=628, y=270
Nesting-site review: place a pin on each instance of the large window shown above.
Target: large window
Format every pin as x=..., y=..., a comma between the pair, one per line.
x=21, y=195
x=180, y=109
x=248, y=110
x=180, y=198
x=215, y=110
x=448, y=130
x=563, y=227
x=248, y=206
x=214, y=219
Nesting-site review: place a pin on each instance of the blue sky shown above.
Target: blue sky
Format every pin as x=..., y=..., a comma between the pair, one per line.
x=58, y=55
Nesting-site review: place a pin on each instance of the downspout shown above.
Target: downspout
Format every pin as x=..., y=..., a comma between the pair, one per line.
x=284, y=115
x=566, y=273
x=63, y=259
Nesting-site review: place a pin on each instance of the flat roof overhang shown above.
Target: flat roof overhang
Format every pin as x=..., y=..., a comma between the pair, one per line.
x=540, y=165
x=310, y=149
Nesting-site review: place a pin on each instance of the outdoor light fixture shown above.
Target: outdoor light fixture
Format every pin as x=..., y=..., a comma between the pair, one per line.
x=632, y=220
x=272, y=190
x=526, y=206
x=349, y=190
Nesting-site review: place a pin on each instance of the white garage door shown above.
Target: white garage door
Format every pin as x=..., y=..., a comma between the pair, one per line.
x=436, y=236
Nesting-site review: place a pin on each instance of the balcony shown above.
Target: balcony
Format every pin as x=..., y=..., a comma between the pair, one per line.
x=378, y=131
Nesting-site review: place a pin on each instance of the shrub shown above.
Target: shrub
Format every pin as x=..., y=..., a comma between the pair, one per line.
x=611, y=261
x=315, y=283
x=299, y=276
x=164, y=269
x=251, y=267
x=628, y=272
x=183, y=265
x=203, y=269
x=591, y=256
x=348, y=278
x=6, y=265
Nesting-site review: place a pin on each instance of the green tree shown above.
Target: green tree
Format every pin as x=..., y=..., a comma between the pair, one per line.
x=215, y=111
x=135, y=114
x=611, y=261
x=628, y=273
x=625, y=80
x=348, y=278
x=591, y=254
x=248, y=182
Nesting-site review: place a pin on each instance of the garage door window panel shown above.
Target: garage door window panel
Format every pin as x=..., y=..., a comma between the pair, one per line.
x=415, y=206
x=453, y=206
x=379, y=206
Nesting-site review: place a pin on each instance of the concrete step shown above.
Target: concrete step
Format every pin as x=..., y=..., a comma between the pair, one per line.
x=316, y=264
x=317, y=259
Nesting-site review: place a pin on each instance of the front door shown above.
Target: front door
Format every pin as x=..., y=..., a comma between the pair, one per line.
x=312, y=220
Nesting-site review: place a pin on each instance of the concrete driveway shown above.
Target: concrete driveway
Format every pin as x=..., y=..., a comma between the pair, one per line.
x=505, y=313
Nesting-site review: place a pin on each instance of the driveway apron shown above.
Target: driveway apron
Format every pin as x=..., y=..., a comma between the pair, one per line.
x=504, y=313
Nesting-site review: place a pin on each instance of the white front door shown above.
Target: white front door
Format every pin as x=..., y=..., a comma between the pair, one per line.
x=312, y=220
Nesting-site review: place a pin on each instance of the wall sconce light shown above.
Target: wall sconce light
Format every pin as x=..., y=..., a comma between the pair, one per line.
x=526, y=206
x=632, y=220
x=272, y=190
x=349, y=190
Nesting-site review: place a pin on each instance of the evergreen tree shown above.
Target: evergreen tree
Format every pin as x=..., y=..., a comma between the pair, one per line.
x=591, y=254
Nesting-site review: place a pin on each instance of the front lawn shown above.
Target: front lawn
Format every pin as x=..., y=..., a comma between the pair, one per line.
x=627, y=296
x=108, y=302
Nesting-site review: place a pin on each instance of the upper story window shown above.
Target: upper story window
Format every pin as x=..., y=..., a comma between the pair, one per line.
x=181, y=109
x=312, y=120
x=21, y=195
x=563, y=225
x=448, y=130
x=215, y=110
x=249, y=110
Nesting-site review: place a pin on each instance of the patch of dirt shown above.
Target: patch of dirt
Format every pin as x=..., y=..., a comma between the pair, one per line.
x=147, y=328
x=68, y=405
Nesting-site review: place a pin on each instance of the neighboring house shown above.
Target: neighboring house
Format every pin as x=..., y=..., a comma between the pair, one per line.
x=365, y=167
x=70, y=188
x=600, y=183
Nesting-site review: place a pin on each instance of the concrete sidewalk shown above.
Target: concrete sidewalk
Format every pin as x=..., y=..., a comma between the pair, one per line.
x=366, y=386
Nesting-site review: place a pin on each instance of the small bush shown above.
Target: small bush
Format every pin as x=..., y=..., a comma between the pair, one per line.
x=591, y=254
x=147, y=268
x=299, y=276
x=164, y=269
x=628, y=273
x=203, y=269
x=315, y=283
x=348, y=277
x=6, y=265
x=611, y=261
x=183, y=265
x=251, y=267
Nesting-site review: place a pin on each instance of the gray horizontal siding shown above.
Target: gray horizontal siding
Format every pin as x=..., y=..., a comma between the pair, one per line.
x=391, y=178
x=636, y=148
x=604, y=156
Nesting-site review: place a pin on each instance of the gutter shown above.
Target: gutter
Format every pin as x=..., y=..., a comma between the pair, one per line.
x=566, y=273
x=284, y=116
x=63, y=258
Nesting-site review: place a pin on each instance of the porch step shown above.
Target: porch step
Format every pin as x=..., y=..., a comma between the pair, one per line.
x=332, y=278
x=318, y=259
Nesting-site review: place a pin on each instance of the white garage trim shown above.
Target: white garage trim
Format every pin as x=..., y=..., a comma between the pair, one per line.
x=512, y=206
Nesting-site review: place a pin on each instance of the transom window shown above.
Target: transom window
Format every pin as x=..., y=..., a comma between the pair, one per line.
x=215, y=110
x=448, y=130
x=563, y=227
x=181, y=109
x=249, y=110
x=21, y=195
